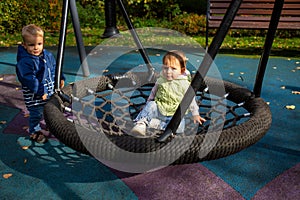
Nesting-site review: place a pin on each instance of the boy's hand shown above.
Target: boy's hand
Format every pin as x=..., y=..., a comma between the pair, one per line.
x=62, y=83
x=44, y=97
x=199, y=119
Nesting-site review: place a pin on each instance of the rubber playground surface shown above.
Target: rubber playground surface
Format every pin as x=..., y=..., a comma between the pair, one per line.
x=269, y=169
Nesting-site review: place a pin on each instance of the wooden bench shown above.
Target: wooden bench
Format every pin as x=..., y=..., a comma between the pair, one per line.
x=254, y=14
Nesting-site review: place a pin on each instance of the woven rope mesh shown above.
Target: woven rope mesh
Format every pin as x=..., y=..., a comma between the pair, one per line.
x=112, y=109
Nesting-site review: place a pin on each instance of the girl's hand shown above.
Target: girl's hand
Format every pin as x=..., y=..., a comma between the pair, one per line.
x=198, y=119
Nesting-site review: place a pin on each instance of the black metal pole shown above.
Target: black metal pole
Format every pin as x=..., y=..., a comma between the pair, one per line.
x=110, y=19
x=202, y=71
x=61, y=45
x=79, y=40
x=267, y=46
x=136, y=38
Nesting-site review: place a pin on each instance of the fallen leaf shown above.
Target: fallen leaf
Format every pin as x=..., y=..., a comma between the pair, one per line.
x=295, y=92
x=25, y=161
x=6, y=176
x=25, y=147
x=290, y=107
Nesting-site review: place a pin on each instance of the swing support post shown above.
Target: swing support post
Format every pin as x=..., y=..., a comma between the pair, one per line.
x=137, y=40
x=61, y=45
x=278, y=5
x=69, y=5
x=111, y=29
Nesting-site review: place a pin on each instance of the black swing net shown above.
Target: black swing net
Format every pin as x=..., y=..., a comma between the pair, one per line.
x=94, y=116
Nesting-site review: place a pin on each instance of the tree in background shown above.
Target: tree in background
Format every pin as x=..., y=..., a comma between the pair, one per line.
x=14, y=14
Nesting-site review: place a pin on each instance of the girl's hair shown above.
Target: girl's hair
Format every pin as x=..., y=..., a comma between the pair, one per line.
x=32, y=29
x=176, y=54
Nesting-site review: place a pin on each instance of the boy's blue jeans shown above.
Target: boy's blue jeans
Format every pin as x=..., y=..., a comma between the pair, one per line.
x=35, y=117
x=151, y=111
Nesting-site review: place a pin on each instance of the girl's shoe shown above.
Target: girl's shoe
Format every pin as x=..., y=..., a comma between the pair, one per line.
x=157, y=124
x=139, y=129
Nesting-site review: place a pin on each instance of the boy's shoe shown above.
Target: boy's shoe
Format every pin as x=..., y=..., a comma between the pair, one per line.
x=38, y=137
x=139, y=129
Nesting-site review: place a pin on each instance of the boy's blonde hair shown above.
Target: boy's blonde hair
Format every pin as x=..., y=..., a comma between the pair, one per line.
x=32, y=29
x=176, y=54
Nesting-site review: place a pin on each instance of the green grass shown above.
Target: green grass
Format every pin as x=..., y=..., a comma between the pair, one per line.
x=92, y=37
x=292, y=44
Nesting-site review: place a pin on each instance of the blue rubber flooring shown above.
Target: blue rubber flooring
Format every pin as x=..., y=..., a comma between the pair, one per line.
x=54, y=171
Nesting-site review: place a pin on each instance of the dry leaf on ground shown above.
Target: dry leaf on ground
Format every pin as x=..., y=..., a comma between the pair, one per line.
x=295, y=92
x=290, y=107
x=6, y=176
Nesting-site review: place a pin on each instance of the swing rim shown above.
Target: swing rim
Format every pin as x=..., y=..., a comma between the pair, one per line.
x=231, y=140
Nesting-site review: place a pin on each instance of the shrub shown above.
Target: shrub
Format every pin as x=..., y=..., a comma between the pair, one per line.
x=190, y=24
x=14, y=14
x=9, y=16
x=159, y=9
x=194, y=6
x=91, y=13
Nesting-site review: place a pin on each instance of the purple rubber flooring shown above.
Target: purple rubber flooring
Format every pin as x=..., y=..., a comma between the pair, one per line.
x=269, y=169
